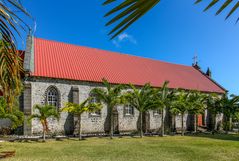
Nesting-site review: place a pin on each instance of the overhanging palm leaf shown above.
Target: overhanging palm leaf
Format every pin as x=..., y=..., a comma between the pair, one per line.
x=10, y=23
x=232, y=5
x=130, y=11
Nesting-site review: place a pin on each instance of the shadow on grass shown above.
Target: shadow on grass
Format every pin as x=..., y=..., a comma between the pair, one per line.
x=230, y=137
x=7, y=154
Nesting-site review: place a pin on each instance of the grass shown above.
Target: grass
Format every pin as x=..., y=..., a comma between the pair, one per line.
x=170, y=148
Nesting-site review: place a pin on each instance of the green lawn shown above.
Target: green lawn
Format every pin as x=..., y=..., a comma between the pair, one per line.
x=170, y=148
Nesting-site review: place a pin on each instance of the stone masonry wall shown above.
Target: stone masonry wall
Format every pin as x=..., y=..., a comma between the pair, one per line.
x=90, y=124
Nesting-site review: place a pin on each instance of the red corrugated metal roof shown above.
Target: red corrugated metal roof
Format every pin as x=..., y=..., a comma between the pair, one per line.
x=59, y=60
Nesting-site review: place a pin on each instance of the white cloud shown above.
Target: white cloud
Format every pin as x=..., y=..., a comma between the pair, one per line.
x=124, y=37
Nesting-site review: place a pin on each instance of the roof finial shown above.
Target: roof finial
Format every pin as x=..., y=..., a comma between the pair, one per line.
x=195, y=60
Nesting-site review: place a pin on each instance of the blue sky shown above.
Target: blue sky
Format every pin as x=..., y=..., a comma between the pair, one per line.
x=173, y=31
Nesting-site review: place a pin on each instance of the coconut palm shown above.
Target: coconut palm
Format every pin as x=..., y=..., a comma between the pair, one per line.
x=42, y=114
x=15, y=116
x=142, y=99
x=129, y=11
x=79, y=109
x=180, y=105
x=163, y=95
x=111, y=96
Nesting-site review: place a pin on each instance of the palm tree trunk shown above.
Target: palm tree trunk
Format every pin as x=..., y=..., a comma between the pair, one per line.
x=111, y=123
x=44, y=135
x=215, y=122
x=182, y=116
x=230, y=123
x=162, y=123
x=195, y=123
x=141, y=124
x=43, y=131
x=79, y=128
x=173, y=123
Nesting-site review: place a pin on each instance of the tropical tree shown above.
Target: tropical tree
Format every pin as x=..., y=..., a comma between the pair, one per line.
x=79, y=109
x=10, y=75
x=180, y=105
x=129, y=11
x=164, y=96
x=111, y=96
x=214, y=106
x=11, y=27
x=15, y=116
x=197, y=106
x=42, y=113
x=230, y=107
x=142, y=99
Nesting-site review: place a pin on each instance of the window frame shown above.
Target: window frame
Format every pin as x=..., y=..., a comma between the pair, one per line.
x=98, y=112
x=55, y=97
x=128, y=110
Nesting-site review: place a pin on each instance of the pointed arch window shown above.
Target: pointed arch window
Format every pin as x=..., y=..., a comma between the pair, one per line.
x=93, y=100
x=52, y=97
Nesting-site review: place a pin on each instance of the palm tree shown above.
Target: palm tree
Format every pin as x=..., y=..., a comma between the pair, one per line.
x=214, y=106
x=181, y=105
x=230, y=107
x=164, y=95
x=111, y=96
x=79, y=109
x=10, y=76
x=197, y=106
x=16, y=116
x=11, y=25
x=129, y=11
x=42, y=114
x=142, y=99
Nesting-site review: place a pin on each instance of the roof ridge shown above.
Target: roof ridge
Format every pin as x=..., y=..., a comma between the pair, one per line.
x=115, y=52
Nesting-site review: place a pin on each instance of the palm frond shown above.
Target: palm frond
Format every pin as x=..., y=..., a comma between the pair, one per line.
x=129, y=12
x=11, y=23
x=230, y=4
x=11, y=26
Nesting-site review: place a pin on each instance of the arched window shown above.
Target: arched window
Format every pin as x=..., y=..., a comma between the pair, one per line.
x=52, y=97
x=93, y=100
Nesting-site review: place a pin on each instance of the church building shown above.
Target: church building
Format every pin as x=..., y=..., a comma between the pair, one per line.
x=57, y=73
